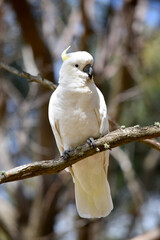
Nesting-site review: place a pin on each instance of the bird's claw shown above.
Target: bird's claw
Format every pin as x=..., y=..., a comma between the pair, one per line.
x=66, y=154
x=91, y=142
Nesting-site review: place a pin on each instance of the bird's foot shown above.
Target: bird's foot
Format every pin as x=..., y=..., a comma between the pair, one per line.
x=66, y=154
x=91, y=142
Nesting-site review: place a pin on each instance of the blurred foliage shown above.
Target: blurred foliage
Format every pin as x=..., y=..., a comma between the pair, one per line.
x=147, y=74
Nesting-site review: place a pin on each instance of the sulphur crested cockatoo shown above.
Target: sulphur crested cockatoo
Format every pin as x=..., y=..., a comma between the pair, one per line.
x=77, y=111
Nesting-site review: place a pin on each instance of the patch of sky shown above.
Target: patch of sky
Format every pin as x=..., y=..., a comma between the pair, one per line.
x=120, y=221
x=13, y=144
x=11, y=105
x=21, y=159
x=153, y=14
x=101, y=8
x=9, y=19
x=117, y=4
x=3, y=193
x=149, y=219
x=57, y=65
x=36, y=9
x=65, y=223
x=151, y=212
x=9, y=15
x=73, y=3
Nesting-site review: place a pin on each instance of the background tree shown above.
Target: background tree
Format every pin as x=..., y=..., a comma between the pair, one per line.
x=123, y=37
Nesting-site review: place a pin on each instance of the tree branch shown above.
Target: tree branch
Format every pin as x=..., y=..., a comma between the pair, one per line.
x=109, y=141
x=29, y=77
x=152, y=235
x=152, y=143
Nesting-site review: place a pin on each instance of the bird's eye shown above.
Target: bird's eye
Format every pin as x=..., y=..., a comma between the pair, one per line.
x=76, y=65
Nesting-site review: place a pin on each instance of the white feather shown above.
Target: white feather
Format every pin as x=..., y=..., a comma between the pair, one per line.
x=77, y=111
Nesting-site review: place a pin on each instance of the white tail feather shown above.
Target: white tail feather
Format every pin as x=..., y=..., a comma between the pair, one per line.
x=92, y=191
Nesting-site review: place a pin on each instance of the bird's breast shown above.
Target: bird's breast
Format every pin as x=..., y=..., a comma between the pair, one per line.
x=77, y=125
x=77, y=118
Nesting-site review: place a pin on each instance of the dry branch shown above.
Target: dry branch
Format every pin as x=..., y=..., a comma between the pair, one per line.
x=29, y=77
x=152, y=143
x=109, y=141
x=152, y=235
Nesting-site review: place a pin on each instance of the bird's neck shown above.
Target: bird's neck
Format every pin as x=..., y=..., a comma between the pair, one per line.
x=76, y=85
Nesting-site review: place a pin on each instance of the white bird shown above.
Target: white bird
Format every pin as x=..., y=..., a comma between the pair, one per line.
x=77, y=111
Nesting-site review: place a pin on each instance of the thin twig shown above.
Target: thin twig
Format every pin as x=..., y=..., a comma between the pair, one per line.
x=152, y=235
x=29, y=77
x=109, y=141
x=152, y=143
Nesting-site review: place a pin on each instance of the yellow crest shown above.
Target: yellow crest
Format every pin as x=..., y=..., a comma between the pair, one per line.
x=64, y=54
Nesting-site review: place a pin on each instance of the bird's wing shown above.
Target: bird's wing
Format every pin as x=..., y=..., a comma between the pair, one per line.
x=101, y=114
x=56, y=131
x=102, y=119
x=56, y=128
x=55, y=123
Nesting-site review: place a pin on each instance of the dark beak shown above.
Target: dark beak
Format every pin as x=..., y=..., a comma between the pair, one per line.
x=89, y=70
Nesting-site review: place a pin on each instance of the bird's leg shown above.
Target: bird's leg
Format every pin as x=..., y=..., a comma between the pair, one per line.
x=66, y=154
x=91, y=142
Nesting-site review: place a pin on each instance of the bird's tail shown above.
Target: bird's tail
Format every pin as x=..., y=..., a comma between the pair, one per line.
x=92, y=191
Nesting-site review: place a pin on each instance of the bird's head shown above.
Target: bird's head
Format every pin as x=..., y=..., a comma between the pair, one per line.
x=77, y=67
